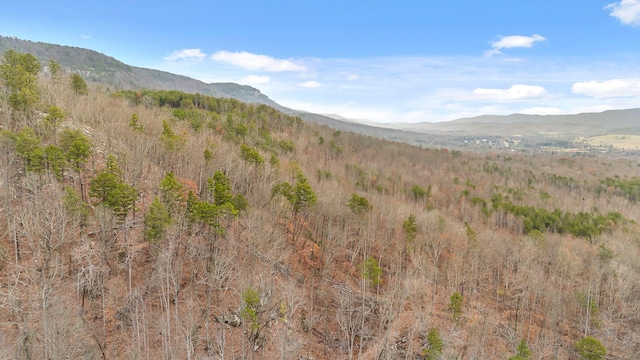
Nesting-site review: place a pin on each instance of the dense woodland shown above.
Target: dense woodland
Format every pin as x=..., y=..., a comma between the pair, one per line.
x=165, y=225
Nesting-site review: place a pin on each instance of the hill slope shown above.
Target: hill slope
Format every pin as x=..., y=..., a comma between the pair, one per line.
x=100, y=68
x=103, y=69
x=211, y=228
x=539, y=130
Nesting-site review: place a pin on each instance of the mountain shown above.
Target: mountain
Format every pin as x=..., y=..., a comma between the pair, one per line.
x=538, y=129
x=584, y=124
x=99, y=68
x=103, y=69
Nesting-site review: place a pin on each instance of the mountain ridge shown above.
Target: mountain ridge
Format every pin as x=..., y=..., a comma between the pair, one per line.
x=106, y=70
x=103, y=69
x=581, y=124
x=110, y=72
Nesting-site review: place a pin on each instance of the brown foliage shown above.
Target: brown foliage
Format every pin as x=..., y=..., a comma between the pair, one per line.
x=124, y=297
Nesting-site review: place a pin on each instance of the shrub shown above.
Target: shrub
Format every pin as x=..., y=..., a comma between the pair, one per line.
x=590, y=348
x=435, y=345
x=358, y=204
x=455, y=306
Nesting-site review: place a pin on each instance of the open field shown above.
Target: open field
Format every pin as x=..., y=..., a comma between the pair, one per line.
x=627, y=142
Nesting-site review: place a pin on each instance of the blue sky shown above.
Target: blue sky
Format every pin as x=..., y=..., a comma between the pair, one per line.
x=401, y=61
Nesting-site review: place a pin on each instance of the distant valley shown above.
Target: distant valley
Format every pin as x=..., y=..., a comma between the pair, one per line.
x=583, y=133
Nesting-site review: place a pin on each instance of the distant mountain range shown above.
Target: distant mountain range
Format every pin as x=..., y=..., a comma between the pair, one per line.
x=103, y=69
x=585, y=124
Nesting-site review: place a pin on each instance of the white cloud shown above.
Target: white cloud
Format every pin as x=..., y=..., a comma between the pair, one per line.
x=513, y=41
x=85, y=37
x=514, y=93
x=186, y=54
x=412, y=89
x=349, y=110
x=353, y=77
x=255, y=79
x=627, y=11
x=254, y=62
x=310, y=84
x=608, y=88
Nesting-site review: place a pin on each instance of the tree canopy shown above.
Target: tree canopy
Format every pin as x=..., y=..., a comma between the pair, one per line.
x=590, y=348
x=78, y=85
x=301, y=196
x=112, y=191
x=19, y=73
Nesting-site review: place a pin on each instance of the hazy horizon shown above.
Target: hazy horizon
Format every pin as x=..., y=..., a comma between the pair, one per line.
x=407, y=62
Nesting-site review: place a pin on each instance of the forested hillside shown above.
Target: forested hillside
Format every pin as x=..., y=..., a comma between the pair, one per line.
x=167, y=225
x=113, y=74
x=105, y=70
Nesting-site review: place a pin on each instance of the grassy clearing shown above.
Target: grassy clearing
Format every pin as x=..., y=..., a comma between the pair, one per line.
x=628, y=142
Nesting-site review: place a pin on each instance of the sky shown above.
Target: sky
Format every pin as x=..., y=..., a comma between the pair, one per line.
x=381, y=61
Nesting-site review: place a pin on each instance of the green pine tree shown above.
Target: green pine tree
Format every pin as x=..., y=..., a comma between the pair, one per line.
x=54, y=68
x=410, y=227
x=76, y=147
x=455, y=306
x=251, y=308
x=19, y=73
x=250, y=155
x=301, y=196
x=156, y=221
x=522, y=352
x=434, y=351
x=135, y=124
x=78, y=85
x=171, y=194
x=220, y=187
x=74, y=205
x=55, y=160
x=590, y=348
x=372, y=271
x=53, y=119
x=112, y=191
x=359, y=204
